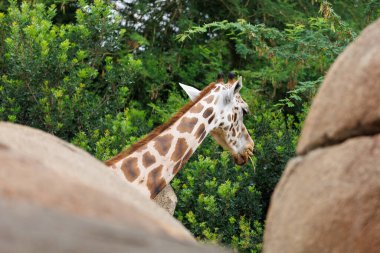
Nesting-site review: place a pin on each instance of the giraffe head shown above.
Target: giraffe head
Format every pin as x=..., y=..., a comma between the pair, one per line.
x=227, y=126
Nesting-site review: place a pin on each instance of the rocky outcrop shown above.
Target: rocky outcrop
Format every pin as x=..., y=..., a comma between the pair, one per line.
x=56, y=197
x=167, y=199
x=347, y=104
x=328, y=199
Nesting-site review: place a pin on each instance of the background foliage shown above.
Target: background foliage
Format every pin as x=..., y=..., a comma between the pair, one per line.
x=103, y=74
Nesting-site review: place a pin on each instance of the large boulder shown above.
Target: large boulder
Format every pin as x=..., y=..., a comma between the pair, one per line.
x=56, y=197
x=328, y=199
x=347, y=104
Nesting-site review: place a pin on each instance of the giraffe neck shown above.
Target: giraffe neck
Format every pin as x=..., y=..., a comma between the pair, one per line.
x=153, y=165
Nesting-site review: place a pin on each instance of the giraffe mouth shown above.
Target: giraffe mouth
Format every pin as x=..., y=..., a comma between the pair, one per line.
x=241, y=159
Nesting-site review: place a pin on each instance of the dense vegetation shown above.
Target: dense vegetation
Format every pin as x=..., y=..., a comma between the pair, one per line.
x=102, y=75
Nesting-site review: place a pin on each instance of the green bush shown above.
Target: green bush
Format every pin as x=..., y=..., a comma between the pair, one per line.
x=218, y=201
x=63, y=79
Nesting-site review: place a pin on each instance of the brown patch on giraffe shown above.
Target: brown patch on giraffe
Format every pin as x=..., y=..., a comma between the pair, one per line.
x=202, y=137
x=197, y=108
x=179, y=150
x=148, y=159
x=233, y=132
x=187, y=125
x=187, y=156
x=155, y=182
x=181, y=163
x=217, y=89
x=211, y=118
x=130, y=169
x=177, y=167
x=208, y=112
x=157, y=131
x=225, y=128
x=229, y=117
x=200, y=130
x=163, y=143
x=209, y=99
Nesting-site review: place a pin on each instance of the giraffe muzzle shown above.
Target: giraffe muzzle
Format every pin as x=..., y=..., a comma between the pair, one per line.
x=242, y=158
x=239, y=159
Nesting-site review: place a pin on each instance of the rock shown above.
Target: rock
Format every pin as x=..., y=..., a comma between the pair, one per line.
x=167, y=199
x=348, y=102
x=28, y=228
x=70, y=200
x=328, y=201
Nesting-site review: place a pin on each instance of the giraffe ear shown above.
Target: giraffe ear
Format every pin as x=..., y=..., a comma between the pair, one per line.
x=234, y=89
x=191, y=91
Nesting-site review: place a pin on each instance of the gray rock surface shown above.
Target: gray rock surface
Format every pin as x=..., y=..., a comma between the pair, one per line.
x=347, y=104
x=28, y=228
x=328, y=201
x=328, y=198
x=64, y=199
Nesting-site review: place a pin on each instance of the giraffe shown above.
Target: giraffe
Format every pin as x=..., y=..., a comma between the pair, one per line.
x=151, y=163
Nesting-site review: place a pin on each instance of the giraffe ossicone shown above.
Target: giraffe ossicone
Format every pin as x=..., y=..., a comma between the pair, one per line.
x=150, y=164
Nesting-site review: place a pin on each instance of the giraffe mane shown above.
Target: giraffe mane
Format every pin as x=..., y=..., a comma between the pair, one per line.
x=158, y=130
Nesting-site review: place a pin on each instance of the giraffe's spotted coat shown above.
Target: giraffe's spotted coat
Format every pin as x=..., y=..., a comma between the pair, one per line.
x=163, y=144
x=130, y=169
x=211, y=118
x=187, y=124
x=176, y=167
x=155, y=162
x=148, y=159
x=155, y=181
x=207, y=112
x=197, y=108
x=234, y=117
x=187, y=156
x=180, y=149
x=209, y=99
x=203, y=135
x=201, y=129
